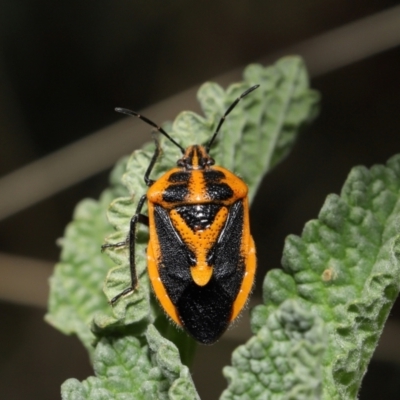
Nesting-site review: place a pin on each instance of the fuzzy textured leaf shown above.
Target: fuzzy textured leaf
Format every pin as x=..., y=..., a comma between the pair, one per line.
x=77, y=281
x=282, y=361
x=128, y=370
x=346, y=267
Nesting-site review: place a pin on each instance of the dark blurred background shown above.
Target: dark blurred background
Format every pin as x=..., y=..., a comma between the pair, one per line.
x=64, y=66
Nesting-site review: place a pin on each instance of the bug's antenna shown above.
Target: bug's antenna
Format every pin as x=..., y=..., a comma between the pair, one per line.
x=153, y=124
x=227, y=112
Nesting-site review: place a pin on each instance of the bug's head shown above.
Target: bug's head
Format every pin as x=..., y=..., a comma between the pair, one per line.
x=195, y=157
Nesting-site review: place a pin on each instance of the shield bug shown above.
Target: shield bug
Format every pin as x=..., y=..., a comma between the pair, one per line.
x=201, y=256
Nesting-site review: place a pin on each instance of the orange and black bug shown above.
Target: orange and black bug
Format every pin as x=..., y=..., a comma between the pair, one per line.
x=201, y=256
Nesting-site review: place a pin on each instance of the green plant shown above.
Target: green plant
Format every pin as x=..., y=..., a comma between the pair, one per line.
x=322, y=313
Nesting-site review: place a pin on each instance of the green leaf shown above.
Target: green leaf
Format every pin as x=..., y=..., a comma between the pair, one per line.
x=264, y=123
x=76, y=284
x=345, y=266
x=282, y=361
x=128, y=370
x=165, y=356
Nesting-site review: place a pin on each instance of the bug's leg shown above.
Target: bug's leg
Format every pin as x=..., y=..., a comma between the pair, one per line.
x=156, y=154
x=137, y=217
x=131, y=240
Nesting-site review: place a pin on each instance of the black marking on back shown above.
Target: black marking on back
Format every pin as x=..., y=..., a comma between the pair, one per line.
x=204, y=311
x=176, y=193
x=198, y=216
x=219, y=191
x=176, y=257
x=213, y=175
x=225, y=255
x=179, y=177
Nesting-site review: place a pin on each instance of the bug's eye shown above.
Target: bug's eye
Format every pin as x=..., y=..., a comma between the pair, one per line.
x=181, y=163
x=210, y=161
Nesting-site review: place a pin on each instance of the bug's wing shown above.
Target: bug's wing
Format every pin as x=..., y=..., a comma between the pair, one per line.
x=226, y=255
x=175, y=257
